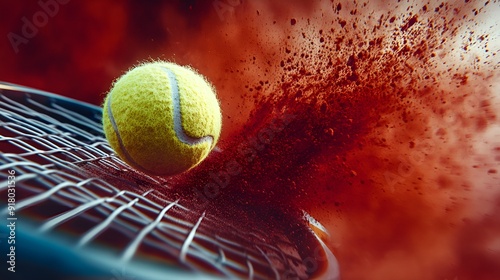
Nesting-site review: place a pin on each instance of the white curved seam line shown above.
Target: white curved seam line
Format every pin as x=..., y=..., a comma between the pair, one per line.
x=117, y=132
x=179, y=131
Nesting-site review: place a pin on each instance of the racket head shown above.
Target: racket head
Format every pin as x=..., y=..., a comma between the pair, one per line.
x=94, y=216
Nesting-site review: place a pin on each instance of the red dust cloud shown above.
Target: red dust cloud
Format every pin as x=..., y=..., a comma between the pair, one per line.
x=379, y=119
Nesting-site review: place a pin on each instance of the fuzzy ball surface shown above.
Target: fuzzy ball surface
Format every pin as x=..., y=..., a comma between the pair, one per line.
x=162, y=118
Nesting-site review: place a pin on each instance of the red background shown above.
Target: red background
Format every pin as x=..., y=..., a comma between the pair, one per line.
x=439, y=222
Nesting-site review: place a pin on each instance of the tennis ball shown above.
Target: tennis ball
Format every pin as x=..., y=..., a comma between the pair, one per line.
x=162, y=118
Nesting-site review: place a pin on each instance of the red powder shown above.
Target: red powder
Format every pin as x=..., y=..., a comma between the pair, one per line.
x=373, y=126
x=380, y=119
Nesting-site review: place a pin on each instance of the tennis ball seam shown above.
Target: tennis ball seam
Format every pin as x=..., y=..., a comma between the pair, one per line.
x=177, y=120
x=179, y=130
x=117, y=132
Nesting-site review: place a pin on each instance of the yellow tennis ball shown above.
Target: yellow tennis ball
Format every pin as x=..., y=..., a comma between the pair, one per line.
x=162, y=118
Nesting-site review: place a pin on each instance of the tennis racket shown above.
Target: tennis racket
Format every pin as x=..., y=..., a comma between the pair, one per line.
x=76, y=211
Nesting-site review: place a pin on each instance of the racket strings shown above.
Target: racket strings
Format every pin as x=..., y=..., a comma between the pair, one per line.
x=69, y=182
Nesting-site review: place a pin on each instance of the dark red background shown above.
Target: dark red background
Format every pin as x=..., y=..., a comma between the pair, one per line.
x=85, y=45
x=395, y=147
